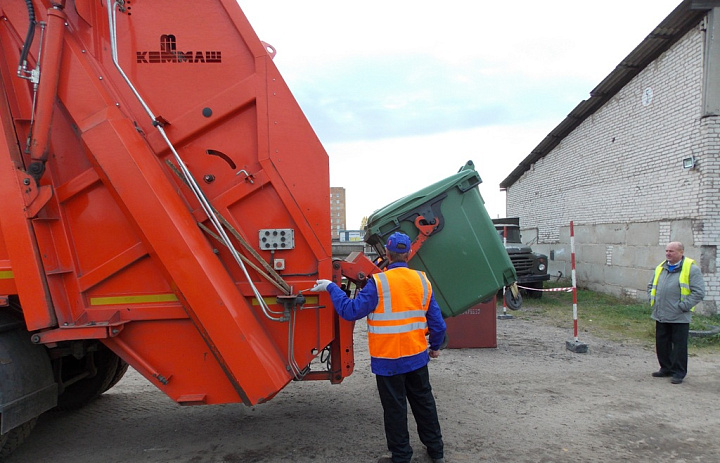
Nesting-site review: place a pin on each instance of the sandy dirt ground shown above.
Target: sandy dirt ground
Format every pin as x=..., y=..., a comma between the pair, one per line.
x=529, y=400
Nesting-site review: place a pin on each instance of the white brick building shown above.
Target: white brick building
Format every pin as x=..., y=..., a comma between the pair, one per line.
x=614, y=166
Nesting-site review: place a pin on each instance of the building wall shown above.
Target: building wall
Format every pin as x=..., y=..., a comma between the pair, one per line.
x=619, y=178
x=617, y=258
x=337, y=211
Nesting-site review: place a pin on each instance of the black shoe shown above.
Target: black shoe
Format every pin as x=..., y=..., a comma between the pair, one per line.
x=660, y=374
x=676, y=380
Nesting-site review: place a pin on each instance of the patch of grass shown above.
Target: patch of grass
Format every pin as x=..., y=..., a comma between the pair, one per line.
x=610, y=317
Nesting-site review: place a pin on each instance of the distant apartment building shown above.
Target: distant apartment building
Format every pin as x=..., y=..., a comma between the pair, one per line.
x=337, y=211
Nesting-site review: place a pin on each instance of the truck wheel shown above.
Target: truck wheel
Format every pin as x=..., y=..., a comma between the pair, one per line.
x=13, y=438
x=119, y=373
x=27, y=388
x=100, y=367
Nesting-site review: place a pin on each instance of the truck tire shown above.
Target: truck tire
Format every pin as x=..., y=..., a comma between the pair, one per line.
x=119, y=373
x=13, y=438
x=82, y=392
x=27, y=388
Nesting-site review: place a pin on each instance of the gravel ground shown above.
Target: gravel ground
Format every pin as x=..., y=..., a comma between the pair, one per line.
x=528, y=400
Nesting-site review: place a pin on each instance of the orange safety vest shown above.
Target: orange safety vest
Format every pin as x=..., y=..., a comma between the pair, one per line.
x=397, y=326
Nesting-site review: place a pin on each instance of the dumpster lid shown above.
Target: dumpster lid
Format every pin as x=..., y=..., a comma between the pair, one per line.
x=420, y=202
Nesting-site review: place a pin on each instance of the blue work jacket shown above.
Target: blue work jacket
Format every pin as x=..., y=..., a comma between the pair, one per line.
x=365, y=302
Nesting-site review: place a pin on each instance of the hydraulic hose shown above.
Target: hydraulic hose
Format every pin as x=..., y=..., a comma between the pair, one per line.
x=28, y=38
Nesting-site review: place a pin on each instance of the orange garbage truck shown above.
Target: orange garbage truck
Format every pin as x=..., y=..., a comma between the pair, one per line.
x=164, y=205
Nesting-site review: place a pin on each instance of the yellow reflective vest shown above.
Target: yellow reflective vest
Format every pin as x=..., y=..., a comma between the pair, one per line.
x=397, y=326
x=684, y=280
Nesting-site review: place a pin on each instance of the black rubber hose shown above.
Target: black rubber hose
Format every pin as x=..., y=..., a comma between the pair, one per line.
x=30, y=34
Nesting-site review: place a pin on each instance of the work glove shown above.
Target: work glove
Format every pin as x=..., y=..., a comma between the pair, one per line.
x=320, y=285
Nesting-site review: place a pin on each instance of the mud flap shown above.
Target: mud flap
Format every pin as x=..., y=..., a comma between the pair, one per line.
x=27, y=387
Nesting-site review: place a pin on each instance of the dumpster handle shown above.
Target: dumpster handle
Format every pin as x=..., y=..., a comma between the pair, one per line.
x=476, y=182
x=425, y=230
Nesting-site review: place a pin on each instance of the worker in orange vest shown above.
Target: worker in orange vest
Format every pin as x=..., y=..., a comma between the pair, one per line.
x=400, y=309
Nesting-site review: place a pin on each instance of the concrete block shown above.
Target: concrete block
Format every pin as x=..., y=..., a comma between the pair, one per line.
x=708, y=259
x=619, y=276
x=638, y=257
x=559, y=252
x=583, y=234
x=559, y=267
x=590, y=253
x=591, y=272
x=643, y=234
x=639, y=280
x=655, y=255
x=576, y=346
x=622, y=256
x=648, y=257
x=611, y=233
x=682, y=230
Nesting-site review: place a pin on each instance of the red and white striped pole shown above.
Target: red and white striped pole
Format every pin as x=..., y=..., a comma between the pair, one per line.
x=574, y=280
x=504, y=246
x=505, y=315
x=574, y=345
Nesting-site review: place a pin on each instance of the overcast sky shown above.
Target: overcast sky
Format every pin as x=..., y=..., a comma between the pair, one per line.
x=403, y=93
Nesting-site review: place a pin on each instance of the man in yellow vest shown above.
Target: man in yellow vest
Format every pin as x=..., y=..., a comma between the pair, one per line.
x=677, y=286
x=400, y=308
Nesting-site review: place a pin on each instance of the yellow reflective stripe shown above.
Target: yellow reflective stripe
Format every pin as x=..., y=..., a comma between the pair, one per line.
x=653, y=291
x=685, y=280
x=375, y=316
x=424, y=287
x=269, y=300
x=395, y=329
x=142, y=299
x=685, y=276
x=6, y=275
x=385, y=291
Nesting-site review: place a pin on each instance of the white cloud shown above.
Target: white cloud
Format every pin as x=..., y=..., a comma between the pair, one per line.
x=430, y=85
x=378, y=172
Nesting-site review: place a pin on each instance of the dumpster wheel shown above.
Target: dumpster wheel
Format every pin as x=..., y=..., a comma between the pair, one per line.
x=513, y=302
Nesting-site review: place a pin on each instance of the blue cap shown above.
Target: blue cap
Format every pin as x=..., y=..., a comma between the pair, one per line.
x=399, y=243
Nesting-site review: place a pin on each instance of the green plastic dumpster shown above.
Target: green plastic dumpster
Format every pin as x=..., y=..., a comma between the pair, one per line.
x=464, y=257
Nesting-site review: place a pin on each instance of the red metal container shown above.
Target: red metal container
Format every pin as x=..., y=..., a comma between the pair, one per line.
x=477, y=327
